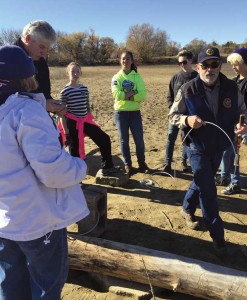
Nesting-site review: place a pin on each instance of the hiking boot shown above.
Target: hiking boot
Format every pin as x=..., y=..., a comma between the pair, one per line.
x=110, y=171
x=128, y=170
x=231, y=189
x=220, y=248
x=143, y=168
x=167, y=168
x=222, y=181
x=190, y=220
x=185, y=167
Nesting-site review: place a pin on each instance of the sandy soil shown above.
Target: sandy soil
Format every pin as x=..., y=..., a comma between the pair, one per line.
x=150, y=217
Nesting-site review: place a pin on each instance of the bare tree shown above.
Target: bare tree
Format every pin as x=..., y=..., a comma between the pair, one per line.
x=91, y=48
x=9, y=36
x=70, y=46
x=146, y=42
x=196, y=45
x=229, y=47
x=82, y=47
x=172, y=48
x=107, y=46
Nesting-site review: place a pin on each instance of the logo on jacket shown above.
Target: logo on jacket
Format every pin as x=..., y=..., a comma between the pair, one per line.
x=127, y=86
x=227, y=103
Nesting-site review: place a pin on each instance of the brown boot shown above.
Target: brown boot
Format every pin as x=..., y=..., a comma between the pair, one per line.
x=190, y=220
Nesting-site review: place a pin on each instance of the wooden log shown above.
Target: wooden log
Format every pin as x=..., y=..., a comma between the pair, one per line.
x=161, y=269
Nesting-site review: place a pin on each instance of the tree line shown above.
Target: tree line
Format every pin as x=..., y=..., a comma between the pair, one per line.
x=148, y=44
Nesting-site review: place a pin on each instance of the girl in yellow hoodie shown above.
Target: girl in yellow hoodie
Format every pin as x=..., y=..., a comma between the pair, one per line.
x=128, y=90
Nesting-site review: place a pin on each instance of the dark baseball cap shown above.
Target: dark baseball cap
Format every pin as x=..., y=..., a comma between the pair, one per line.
x=208, y=53
x=15, y=63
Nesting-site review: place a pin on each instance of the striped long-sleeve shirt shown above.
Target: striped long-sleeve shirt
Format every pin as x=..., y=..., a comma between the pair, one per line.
x=76, y=99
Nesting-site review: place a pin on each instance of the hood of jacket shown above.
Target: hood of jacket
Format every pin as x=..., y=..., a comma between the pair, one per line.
x=10, y=91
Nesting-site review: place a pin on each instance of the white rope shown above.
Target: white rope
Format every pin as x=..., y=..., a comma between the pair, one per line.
x=152, y=184
x=165, y=173
x=210, y=123
x=224, y=133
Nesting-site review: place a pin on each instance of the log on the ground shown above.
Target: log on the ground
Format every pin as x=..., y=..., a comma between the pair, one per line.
x=156, y=268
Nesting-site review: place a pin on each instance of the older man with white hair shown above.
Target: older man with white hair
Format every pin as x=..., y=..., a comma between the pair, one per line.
x=209, y=99
x=36, y=39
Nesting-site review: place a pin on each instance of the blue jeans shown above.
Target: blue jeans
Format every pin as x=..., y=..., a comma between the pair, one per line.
x=203, y=191
x=125, y=121
x=33, y=270
x=171, y=139
x=227, y=168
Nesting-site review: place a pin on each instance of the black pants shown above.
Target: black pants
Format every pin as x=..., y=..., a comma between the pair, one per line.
x=99, y=137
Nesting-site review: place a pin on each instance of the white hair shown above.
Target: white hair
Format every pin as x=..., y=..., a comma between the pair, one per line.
x=235, y=59
x=39, y=31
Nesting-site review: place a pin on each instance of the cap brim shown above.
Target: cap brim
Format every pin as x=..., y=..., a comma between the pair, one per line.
x=207, y=58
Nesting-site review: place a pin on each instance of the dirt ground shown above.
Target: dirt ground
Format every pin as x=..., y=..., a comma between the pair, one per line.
x=147, y=217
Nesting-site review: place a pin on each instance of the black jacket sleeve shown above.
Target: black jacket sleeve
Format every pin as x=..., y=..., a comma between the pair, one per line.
x=170, y=94
x=43, y=77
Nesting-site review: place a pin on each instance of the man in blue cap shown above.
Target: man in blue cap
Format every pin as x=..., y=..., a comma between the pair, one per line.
x=210, y=98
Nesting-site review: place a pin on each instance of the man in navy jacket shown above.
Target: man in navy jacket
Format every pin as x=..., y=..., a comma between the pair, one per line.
x=202, y=104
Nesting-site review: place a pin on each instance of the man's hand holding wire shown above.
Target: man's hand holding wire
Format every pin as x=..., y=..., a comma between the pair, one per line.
x=55, y=107
x=194, y=122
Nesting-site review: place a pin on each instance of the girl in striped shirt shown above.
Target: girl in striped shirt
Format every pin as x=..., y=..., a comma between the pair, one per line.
x=78, y=121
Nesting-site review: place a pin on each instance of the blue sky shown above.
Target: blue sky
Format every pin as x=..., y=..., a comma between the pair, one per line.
x=183, y=20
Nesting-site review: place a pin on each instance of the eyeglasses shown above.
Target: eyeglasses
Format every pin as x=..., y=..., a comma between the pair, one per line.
x=184, y=62
x=213, y=65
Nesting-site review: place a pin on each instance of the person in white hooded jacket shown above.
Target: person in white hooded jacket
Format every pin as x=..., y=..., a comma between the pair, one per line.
x=40, y=193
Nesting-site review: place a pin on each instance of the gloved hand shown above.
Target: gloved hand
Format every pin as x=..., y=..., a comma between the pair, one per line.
x=68, y=140
x=244, y=139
